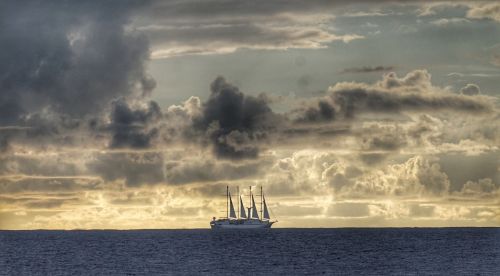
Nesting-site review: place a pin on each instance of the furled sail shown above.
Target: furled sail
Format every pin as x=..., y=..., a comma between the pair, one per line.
x=254, y=209
x=266, y=212
x=242, y=209
x=232, y=213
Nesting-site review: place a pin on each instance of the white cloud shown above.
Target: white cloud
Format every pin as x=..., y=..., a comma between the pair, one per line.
x=445, y=22
x=484, y=11
x=221, y=39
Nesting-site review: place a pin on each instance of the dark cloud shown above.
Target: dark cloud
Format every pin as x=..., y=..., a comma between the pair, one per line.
x=4, y=142
x=7, y=133
x=42, y=130
x=70, y=57
x=414, y=92
x=368, y=69
x=323, y=111
x=130, y=128
x=192, y=171
x=135, y=168
x=234, y=121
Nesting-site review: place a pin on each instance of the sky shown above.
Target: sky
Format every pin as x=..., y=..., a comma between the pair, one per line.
x=138, y=114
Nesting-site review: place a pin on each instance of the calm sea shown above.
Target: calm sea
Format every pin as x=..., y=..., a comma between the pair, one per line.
x=408, y=251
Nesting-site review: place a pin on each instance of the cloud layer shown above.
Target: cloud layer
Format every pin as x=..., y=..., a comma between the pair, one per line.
x=72, y=59
x=83, y=144
x=215, y=27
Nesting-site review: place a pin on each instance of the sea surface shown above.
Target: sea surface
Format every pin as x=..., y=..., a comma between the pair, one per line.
x=345, y=251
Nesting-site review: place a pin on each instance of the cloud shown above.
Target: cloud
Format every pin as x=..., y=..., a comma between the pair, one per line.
x=411, y=93
x=130, y=128
x=416, y=80
x=470, y=90
x=135, y=168
x=26, y=183
x=64, y=166
x=238, y=126
x=189, y=10
x=322, y=111
x=393, y=94
x=227, y=38
x=462, y=168
x=382, y=137
x=85, y=146
x=445, y=22
x=417, y=176
x=432, y=8
x=188, y=171
x=299, y=173
x=366, y=14
x=472, y=9
x=39, y=202
x=484, y=11
x=483, y=188
x=476, y=75
x=425, y=177
x=368, y=69
x=340, y=174
x=421, y=176
x=234, y=121
x=215, y=27
x=63, y=63
x=73, y=59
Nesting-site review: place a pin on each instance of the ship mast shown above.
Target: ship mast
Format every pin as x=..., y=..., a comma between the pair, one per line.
x=239, y=202
x=261, y=200
x=227, y=202
x=250, y=202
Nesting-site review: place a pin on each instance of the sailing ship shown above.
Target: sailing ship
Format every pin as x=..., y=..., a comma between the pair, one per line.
x=240, y=219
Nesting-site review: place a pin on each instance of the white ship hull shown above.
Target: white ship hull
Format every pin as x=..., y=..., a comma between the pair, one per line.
x=240, y=224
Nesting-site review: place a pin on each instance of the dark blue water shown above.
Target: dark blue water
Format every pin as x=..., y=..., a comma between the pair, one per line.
x=449, y=251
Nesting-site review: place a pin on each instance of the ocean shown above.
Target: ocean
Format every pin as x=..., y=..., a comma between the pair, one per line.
x=343, y=251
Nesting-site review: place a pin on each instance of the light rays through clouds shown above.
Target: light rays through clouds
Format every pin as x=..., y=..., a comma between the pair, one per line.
x=403, y=136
